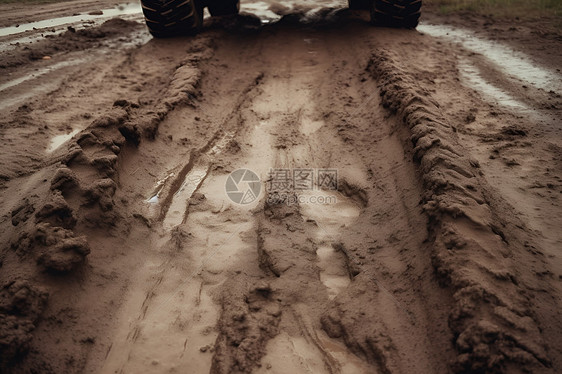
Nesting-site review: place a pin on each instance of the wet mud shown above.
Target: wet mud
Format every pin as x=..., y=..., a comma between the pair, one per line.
x=124, y=248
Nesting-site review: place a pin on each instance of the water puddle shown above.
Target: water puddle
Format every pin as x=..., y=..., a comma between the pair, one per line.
x=222, y=143
x=474, y=79
x=331, y=211
x=176, y=212
x=57, y=141
x=178, y=207
x=155, y=196
x=39, y=73
x=260, y=9
x=514, y=63
x=120, y=10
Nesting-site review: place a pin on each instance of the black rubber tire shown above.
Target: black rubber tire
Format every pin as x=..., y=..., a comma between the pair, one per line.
x=166, y=18
x=396, y=13
x=223, y=7
x=359, y=4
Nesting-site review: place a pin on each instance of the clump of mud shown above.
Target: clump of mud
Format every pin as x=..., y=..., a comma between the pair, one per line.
x=477, y=250
x=250, y=317
x=21, y=305
x=74, y=195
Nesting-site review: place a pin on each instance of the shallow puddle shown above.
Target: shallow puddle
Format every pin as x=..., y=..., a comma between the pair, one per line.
x=38, y=73
x=155, y=196
x=514, y=63
x=222, y=143
x=120, y=10
x=474, y=79
x=57, y=141
x=178, y=207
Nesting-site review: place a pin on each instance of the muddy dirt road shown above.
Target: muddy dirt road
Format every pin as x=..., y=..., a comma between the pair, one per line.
x=305, y=195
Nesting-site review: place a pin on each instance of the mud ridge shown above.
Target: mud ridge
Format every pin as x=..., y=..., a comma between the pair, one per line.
x=474, y=252
x=78, y=194
x=254, y=316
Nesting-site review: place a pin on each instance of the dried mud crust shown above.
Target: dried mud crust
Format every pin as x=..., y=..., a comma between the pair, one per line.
x=477, y=250
x=75, y=194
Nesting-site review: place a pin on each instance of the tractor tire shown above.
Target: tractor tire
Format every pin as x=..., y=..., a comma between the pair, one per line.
x=223, y=7
x=396, y=13
x=359, y=4
x=166, y=18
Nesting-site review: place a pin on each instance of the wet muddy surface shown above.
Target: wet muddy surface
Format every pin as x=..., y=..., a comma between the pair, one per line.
x=513, y=63
x=92, y=18
x=312, y=195
x=472, y=77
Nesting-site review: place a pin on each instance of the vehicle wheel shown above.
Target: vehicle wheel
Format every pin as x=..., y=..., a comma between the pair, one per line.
x=396, y=13
x=223, y=7
x=359, y=4
x=165, y=18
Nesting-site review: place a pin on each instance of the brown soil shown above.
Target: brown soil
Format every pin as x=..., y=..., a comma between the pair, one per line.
x=122, y=253
x=18, y=12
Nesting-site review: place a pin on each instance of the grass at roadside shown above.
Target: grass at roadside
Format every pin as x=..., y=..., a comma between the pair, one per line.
x=501, y=8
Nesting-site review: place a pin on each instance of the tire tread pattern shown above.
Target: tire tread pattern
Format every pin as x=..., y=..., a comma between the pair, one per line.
x=359, y=4
x=165, y=18
x=396, y=13
x=223, y=7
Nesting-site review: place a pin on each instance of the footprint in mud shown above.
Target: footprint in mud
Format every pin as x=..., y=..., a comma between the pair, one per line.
x=331, y=211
